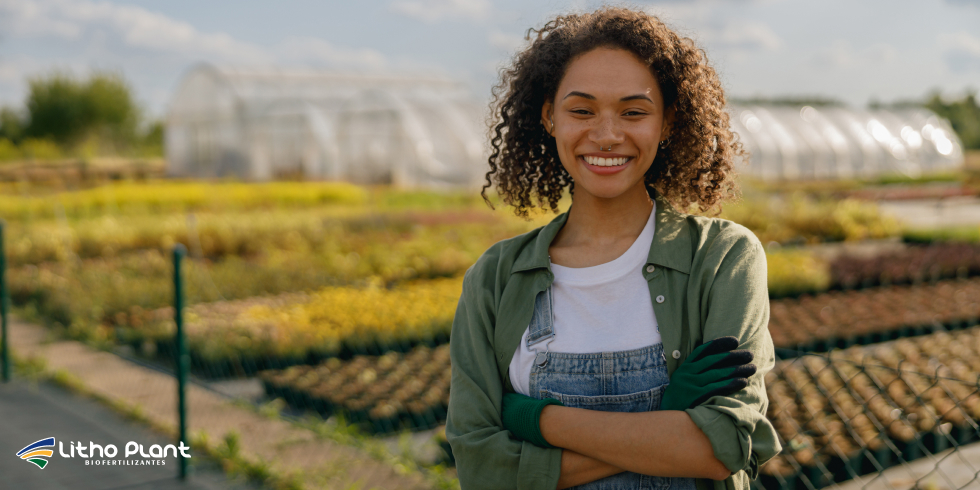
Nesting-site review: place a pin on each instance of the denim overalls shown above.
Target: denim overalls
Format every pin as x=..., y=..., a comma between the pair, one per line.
x=623, y=381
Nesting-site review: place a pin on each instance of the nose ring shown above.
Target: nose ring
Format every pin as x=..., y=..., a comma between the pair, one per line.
x=606, y=149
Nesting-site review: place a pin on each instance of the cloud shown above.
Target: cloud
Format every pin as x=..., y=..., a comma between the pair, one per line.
x=747, y=35
x=968, y=3
x=432, y=11
x=311, y=50
x=28, y=18
x=713, y=27
x=133, y=26
x=842, y=54
x=506, y=42
x=131, y=30
x=12, y=69
x=961, y=51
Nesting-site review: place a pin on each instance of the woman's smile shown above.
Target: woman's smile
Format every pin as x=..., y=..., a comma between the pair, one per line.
x=606, y=164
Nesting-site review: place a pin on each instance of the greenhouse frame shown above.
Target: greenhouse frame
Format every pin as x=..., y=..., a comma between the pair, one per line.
x=827, y=143
x=262, y=125
x=430, y=132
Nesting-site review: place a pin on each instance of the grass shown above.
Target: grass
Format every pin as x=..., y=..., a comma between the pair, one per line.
x=228, y=452
x=337, y=429
x=828, y=188
x=962, y=234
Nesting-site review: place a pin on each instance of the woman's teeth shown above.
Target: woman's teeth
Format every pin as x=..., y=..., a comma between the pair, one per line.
x=606, y=162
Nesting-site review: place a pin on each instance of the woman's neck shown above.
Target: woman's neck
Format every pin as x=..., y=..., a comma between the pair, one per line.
x=598, y=230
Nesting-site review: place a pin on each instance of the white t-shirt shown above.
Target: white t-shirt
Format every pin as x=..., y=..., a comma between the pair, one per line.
x=603, y=308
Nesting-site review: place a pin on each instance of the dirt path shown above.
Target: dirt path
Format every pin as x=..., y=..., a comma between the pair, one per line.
x=287, y=448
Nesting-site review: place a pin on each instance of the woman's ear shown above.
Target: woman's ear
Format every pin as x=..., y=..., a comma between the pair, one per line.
x=547, y=118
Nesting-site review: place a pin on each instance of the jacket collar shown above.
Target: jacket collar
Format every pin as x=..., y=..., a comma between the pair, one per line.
x=671, y=246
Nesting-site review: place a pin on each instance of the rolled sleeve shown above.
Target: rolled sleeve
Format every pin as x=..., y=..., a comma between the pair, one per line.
x=736, y=302
x=487, y=457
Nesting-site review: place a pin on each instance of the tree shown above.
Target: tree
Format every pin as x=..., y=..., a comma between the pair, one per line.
x=68, y=111
x=792, y=101
x=11, y=125
x=55, y=108
x=963, y=115
x=111, y=108
x=152, y=139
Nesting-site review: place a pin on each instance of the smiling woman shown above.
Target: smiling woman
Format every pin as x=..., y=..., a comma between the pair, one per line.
x=613, y=348
x=695, y=165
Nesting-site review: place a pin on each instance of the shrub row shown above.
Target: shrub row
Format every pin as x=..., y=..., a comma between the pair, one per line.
x=937, y=190
x=117, y=299
x=120, y=300
x=845, y=318
x=863, y=409
x=838, y=415
x=380, y=393
x=172, y=196
x=377, y=238
x=99, y=297
x=240, y=337
x=797, y=219
x=960, y=234
x=914, y=265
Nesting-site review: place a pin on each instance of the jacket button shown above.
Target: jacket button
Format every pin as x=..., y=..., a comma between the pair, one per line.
x=676, y=354
x=660, y=299
x=651, y=268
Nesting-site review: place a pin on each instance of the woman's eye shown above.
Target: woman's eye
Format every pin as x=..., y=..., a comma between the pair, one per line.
x=580, y=111
x=634, y=113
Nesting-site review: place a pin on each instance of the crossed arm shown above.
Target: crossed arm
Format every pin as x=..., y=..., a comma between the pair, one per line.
x=600, y=444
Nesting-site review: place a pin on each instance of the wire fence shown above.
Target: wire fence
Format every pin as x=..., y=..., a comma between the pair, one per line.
x=901, y=414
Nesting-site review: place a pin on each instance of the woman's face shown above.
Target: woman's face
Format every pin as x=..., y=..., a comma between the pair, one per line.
x=608, y=98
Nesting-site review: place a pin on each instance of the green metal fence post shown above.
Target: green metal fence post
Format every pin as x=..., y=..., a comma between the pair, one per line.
x=182, y=360
x=4, y=306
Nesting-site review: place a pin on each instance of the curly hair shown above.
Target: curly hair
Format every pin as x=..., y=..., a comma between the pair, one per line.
x=696, y=167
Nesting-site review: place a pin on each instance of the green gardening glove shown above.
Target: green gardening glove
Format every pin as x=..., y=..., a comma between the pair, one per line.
x=522, y=415
x=714, y=368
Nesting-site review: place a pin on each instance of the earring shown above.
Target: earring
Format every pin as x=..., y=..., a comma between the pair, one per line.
x=552, y=120
x=664, y=143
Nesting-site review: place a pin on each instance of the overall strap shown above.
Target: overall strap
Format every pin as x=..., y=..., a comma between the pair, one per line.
x=542, y=321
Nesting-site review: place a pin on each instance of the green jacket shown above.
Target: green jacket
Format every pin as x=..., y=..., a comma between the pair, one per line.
x=712, y=273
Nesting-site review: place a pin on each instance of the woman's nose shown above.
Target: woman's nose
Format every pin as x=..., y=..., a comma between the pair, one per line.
x=606, y=132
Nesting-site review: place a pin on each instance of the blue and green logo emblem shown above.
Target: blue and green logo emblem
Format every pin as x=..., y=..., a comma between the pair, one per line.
x=36, y=452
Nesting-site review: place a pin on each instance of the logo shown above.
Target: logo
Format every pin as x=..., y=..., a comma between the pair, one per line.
x=35, y=452
x=103, y=455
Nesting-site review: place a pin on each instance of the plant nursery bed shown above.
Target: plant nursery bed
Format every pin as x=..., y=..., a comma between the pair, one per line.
x=863, y=409
x=840, y=319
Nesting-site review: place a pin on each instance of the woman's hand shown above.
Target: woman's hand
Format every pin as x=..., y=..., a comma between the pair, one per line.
x=714, y=368
x=521, y=416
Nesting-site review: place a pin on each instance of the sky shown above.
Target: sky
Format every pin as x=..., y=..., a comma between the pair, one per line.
x=850, y=50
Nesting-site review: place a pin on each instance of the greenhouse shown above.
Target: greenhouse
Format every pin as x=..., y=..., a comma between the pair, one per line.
x=803, y=143
x=262, y=125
